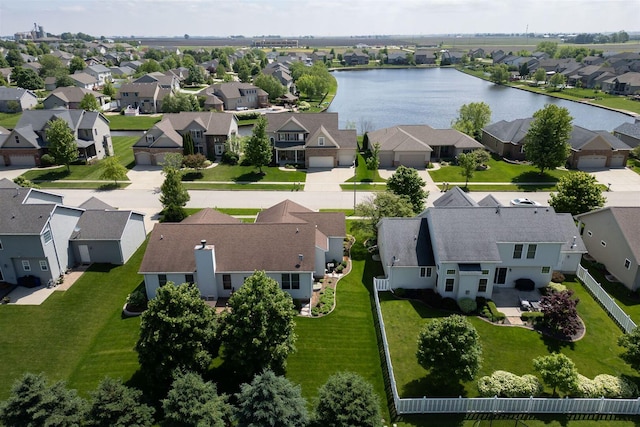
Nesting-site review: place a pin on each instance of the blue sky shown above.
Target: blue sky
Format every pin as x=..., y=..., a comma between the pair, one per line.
x=317, y=17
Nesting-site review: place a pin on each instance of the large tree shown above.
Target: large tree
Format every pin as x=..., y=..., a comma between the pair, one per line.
x=468, y=164
x=406, y=182
x=540, y=75
x=271, y=85
x=271, y=401
x=76, y=64
x=258, y=150
x=560, y=313
x=113, y=170
x=383, y=204
x=89, y=103
x=499, y=74
x=347, y=400
x=578, y=193
x=194, y=402
x=546, y=142
x=26, y=78
x=258, y=330
x=557, y=371
x=174, y=196
x=472, y=118
x=177, y=331
x=557, y=82
x=631, y=344
x=116, y=405
x=450, y=348
x=62, y=143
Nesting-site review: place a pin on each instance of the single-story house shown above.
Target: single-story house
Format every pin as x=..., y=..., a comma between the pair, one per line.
x=16, y=99
x=629, y=133
x=311, y=139
x=70, y=98
x=463, y=251
x=612, y=237
x=218, y=252
x=416, y=145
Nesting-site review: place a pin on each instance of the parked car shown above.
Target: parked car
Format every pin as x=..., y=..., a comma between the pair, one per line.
x=524, y=202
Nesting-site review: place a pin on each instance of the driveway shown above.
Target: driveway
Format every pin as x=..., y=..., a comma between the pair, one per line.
x=11, y=172
x=623, y=179
x=145, y=178
x=326, y=179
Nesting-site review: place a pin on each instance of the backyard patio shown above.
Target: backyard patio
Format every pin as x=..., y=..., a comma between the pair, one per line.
x=511, y=302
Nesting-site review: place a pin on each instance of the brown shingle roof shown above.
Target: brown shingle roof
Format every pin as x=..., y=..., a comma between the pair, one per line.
x=210, y=216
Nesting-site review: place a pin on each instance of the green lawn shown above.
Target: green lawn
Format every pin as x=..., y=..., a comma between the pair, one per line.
x=509, y=187
x=499, y=171
x=634, y=165
x=243, y=186
x=77, y=335
x=9, y=120
x=121, y=122
x=227, y=173
x=363, y=174
x=364, y=187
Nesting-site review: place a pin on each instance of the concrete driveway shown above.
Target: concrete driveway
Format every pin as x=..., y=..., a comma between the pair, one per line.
x=326, y=179
x=145, y=177
x=12, y=172
x=622, y=179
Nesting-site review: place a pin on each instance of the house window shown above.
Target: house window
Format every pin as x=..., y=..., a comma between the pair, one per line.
x=627, y=264
x=1, y=248
x=196, y=134
x=162, y=279
x=150, y=139
x=517, y=251
x=17, y=139
x=26, y=266
x=425, y=271
x=485, y=272
x=451, y=272
x=448, y=285
x=589, y=233
x=531, y=251
x=290, y=281
x=44, y=266
x=603, y=243
x=188, y=278
x=226, y=281
x=321, y=141
x=482, y=285
x=546, y=270
x=47, y=235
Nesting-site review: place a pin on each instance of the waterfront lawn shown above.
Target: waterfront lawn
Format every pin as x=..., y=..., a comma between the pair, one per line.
x=121, y=122
x=596, y=353
x=499, y=171
x=9, y=120
x=77, y=335
x=240, y=174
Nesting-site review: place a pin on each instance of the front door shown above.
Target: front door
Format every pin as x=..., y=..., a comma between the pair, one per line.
x=500, y=276
x=85, y=258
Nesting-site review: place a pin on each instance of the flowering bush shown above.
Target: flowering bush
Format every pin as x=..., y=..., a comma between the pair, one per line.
x=607, y=386
x=506, y=384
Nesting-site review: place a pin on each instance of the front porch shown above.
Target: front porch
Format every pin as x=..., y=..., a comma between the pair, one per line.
x=289, y=156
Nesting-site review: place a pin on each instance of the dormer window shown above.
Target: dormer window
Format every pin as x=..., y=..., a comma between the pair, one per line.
x=321, y=141
x=17, y=139
x=150, y=139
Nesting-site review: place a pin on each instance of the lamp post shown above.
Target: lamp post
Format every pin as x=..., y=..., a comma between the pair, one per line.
x=355, y=174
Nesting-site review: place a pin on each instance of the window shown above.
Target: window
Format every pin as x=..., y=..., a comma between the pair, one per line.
x=627, y=263
x=531, y=251
x=546, y=270
x=425, y=271
x=290, y=281
x=196, y=134
x=162, y=279
x=150, y=139
x=188, y=278
x=1, y=248
x=482, y=285
x=26, y=266
x=449, y=285
x=17, y=139
x=485, y=272
x=321, y=140
x=226, y=281
x=603, y=243
x=47, y=235
x=44, y=266
x=451, y=272
x=589, y=233
x=517, y=251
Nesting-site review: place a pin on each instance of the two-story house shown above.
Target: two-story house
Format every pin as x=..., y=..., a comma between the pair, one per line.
x=356, y=57
x=70, y=98
x=147, y=97
x=100, y=72
x=235, y=96
x=16, y=99
x=27, y=142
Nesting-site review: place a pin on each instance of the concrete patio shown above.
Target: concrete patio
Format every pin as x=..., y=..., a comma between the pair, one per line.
x=507, y=301
x=36, y=296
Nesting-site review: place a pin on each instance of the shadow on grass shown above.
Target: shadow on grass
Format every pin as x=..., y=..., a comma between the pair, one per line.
x=192, y=176
x=534, y=177
x=102, y=268
x=434, y=385
x=108, y=187
x=54, y=175
x=249, y=177
x=555, y=345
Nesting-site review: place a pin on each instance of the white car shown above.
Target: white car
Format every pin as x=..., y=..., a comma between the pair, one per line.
x=524, y=202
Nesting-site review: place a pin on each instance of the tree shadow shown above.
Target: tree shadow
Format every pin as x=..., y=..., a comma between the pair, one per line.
x=434, y=384
x=533, y=176
x=249, y=177
x=108, y=187
x=54, y=174
x=227, y=380
x=192, y=176
x=555, y=345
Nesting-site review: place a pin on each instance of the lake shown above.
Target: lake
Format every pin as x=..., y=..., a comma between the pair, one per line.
x=391, y=97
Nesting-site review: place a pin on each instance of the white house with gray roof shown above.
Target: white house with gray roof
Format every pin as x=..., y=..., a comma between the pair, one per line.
x=16, y=99
x=465, y=251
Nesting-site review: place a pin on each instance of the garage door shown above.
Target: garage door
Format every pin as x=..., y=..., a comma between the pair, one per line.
x=143, y=158
x=592, y=162
x=345, y=159
x=321, y=162
x=27, y=160
x=412, y=161
x=617, y=161
x=160, y=159
x=386, y=159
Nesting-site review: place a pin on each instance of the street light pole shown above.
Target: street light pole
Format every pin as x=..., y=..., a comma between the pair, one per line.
x=355, y=174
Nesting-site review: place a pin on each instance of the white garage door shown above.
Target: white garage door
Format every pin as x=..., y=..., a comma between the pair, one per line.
x=592, y=162
x=160, y=159
x=412, y=161
x=143, y=158
x=345, y=159
x=17, y=160
x=321, y=162
x=617, y=161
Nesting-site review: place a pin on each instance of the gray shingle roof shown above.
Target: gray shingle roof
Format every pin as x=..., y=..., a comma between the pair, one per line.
x=629, y=129
x=101, y=225
x=13, y=93
x=18, y=218
x=406, y=239
x=94, y=203
x=454, y=197
x=420, y=138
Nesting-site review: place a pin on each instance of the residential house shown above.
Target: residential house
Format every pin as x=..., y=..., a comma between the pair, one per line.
x=586, y=76
x=168, y=81
x=218, y=252
x=447, y=57
x=477, y=53
x=147, y=97
x=356, y=57
x=612, y=237
x=235, y=96
x=321, y=56
x=15, y=100
x=121, y=72
x=416, y=145
x=589, y=149
x=629, y=133
x=282, y=74
x=41, y=238
x=131, y=64
x=84, y=80
x=209, y=132
x=50, y=83
x=70, y=98
x=26, y=143
x=99, y=72
x=463, y=251
x=6, y=74
x=425, y=57
x=625, y=84
x=397, y=58
x=310, y=139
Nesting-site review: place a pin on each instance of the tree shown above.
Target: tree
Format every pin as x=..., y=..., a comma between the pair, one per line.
x=116, y=405
x=631, y=344
x=34, y=403
x=271, y=400
x=549, y=48
x=194, y=161
x=560, y=313
x=64, y=81
x=258, y=331
x=108, y=89
x=76, y=64
x=557, y=81
x=177, y=331
x=468, y=164
x=450, y=348
x=540, y=75
x=578, y=193
x=62, y=143
x=499, y=74
x=258, y=150
x=546, y=142
x=271, y=85
x=193, y=402
x=406, y=182
x=26, y=78
x=472, y=118
x=180, y=102
x=89, y=103
x=373, y=161
x=112, y=169
x=346, y=400
x=196, y=75
x=174, y=196
x=172, y=161
x=187, y=144
x=384, y=204
x=557, y=371
x=51, y=66
x=14, y=58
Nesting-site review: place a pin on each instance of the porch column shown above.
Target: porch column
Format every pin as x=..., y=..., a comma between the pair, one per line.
x=295, y=156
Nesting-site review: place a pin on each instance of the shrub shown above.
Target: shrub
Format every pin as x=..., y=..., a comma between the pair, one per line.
x=555, y=287
x=339, y=269
x=467, y=305
x=137, y=300
x=245, y=162
x=506, y=384
x=557, y=277
x=607, y=386
x=532, y=316
x=587, y=388
x=495, y=315
x=303, y=106
x=449, y=304
x=230, y=158
x=47, y=160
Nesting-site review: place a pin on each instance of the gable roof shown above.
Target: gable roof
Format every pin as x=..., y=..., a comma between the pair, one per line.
x=72, y=93
x=18, y=218
x=629, y=129
x=626, y=219
x=454, y=197
x=93, y=203
x=406, y=241
x=210, y=216
x=101, y=225
x=14, y=93
x=421, y=138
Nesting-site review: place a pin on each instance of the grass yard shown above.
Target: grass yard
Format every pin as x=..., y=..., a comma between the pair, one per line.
x=77, y=335
x=366, y=186
x=634, y=165
x=509, y=187
x=240, y=174
x=9, y=120
x=121, y=122
x=242, y=186
x=499, y=171
x=363, y=174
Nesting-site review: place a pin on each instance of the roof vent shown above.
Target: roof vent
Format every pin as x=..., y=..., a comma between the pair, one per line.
x=573, y=245
x=498, y=209
x=161, y=236
x=203, y=242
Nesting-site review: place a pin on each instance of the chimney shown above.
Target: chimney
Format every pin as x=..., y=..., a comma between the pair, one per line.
x=205, y=258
